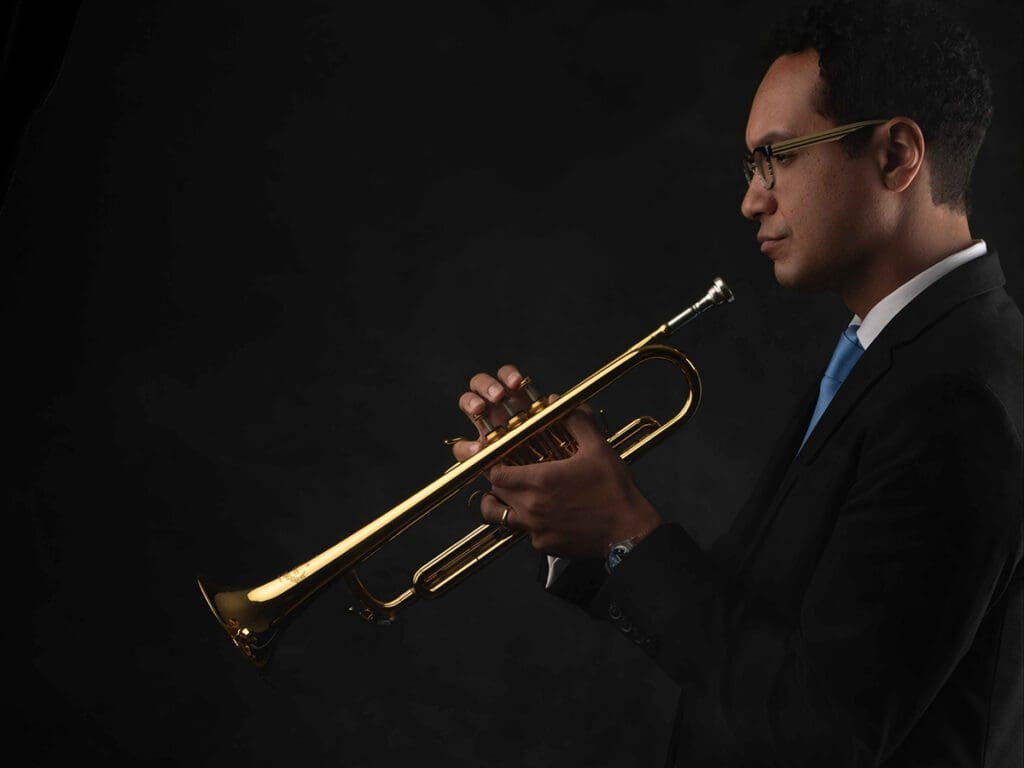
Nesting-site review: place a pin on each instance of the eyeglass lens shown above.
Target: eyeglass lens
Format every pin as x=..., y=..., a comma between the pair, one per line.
x=761, y=165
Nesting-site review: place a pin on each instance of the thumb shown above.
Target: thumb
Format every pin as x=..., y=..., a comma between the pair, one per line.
x=581, y=424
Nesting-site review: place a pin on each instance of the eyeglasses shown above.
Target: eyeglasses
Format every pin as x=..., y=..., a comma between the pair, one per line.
x=760, y=160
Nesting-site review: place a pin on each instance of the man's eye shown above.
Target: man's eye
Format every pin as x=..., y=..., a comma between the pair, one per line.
x=781, y=159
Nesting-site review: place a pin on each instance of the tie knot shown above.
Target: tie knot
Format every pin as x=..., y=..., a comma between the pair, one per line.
x=846, y=355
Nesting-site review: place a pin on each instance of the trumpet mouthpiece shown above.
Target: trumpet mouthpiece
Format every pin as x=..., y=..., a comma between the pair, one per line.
x=718, y=293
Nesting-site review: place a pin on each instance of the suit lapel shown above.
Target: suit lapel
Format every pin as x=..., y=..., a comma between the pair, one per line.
x=753, y=516
x=872, y=365
x=972, y=279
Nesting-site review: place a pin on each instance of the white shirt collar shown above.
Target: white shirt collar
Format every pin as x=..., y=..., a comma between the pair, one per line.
x=879, y=315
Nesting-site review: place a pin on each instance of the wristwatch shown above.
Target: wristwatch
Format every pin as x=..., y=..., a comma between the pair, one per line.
x=618, y=551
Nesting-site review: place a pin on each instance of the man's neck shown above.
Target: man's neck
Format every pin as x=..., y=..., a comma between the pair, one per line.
x=921, y=242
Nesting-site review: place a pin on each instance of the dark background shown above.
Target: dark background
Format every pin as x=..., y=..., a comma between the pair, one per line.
x=252, y=254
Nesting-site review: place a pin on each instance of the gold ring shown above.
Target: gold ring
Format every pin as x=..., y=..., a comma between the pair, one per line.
x=504, y=518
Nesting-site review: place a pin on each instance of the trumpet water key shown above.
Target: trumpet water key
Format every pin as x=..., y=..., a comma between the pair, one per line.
x=254, y=616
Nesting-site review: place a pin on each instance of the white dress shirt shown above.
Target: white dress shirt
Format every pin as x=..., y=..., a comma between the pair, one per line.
x=879, y=315
x=868, y=329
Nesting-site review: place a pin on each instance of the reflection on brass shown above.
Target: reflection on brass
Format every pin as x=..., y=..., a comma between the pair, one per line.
x=254, y=616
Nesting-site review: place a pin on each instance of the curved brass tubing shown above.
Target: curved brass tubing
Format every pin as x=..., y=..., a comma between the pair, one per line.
x=253, y=616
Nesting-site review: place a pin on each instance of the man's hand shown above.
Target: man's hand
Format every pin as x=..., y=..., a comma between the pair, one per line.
x=573, y=507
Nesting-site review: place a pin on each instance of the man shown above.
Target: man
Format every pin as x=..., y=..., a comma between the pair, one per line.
x=867, y=606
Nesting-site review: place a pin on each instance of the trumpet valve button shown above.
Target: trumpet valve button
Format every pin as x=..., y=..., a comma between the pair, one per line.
x=495, y=433
x=526, y=386
x=484, y=422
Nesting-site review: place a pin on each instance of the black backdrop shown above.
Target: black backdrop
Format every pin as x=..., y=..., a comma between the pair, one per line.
x=252, y=254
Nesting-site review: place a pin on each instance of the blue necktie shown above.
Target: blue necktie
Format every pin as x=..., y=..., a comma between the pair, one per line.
x=846, y=355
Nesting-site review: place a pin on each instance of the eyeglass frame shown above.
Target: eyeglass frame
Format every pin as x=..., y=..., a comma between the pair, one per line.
x=751, y=167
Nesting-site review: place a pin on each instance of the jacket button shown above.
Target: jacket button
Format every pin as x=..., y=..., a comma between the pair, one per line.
x=614, y=612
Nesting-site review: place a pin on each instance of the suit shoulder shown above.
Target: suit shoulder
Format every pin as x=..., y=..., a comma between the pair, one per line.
x=973, y=351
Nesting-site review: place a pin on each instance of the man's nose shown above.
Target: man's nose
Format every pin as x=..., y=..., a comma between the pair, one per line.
x=757, y=200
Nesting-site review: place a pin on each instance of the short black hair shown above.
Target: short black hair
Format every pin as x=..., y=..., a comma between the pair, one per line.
x=882, y=58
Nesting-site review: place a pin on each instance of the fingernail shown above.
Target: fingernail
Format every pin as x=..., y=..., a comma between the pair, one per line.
x=475, y=402
x=474, y=447
x=513, y=380
x=495, y=391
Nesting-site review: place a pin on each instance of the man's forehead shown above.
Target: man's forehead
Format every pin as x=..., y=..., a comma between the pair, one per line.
x=784, y=104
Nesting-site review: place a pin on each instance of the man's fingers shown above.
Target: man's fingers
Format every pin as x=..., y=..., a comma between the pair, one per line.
x=463, y=449
x=510, y=376
x=489, y=403
x=581, y=424
x=496, y=511
x=488, y=388
x=474, y=406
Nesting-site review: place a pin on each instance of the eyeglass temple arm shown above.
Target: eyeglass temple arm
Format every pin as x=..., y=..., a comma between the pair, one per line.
x=821, y=136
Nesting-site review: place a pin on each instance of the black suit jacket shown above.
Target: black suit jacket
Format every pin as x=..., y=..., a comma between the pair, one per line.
x=867, y=606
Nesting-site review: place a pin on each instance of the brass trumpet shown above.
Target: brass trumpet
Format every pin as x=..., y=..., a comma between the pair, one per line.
x=253, y=617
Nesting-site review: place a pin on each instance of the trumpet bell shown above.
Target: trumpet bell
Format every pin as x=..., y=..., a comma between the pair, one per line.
x=250, y=626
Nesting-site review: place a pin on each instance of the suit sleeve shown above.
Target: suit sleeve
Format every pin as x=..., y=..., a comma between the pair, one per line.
x=926, y=539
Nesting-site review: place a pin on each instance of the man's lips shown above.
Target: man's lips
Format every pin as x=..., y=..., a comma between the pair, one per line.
x=769, y=243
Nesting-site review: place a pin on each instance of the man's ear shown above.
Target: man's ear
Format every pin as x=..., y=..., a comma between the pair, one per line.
x=900, y=153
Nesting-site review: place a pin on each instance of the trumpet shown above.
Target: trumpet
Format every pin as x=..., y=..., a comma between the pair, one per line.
x=254, y=617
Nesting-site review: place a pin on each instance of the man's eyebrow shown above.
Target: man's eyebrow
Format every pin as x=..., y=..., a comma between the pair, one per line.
x=772, y=138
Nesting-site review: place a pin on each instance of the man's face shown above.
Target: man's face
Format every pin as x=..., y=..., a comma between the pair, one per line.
x=816, y=223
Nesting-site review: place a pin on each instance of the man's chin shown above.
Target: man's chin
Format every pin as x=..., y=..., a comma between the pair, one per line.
x=785, y=274
x=788, y=275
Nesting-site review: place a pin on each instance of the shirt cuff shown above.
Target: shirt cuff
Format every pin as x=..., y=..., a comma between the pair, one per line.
x=555, y=567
